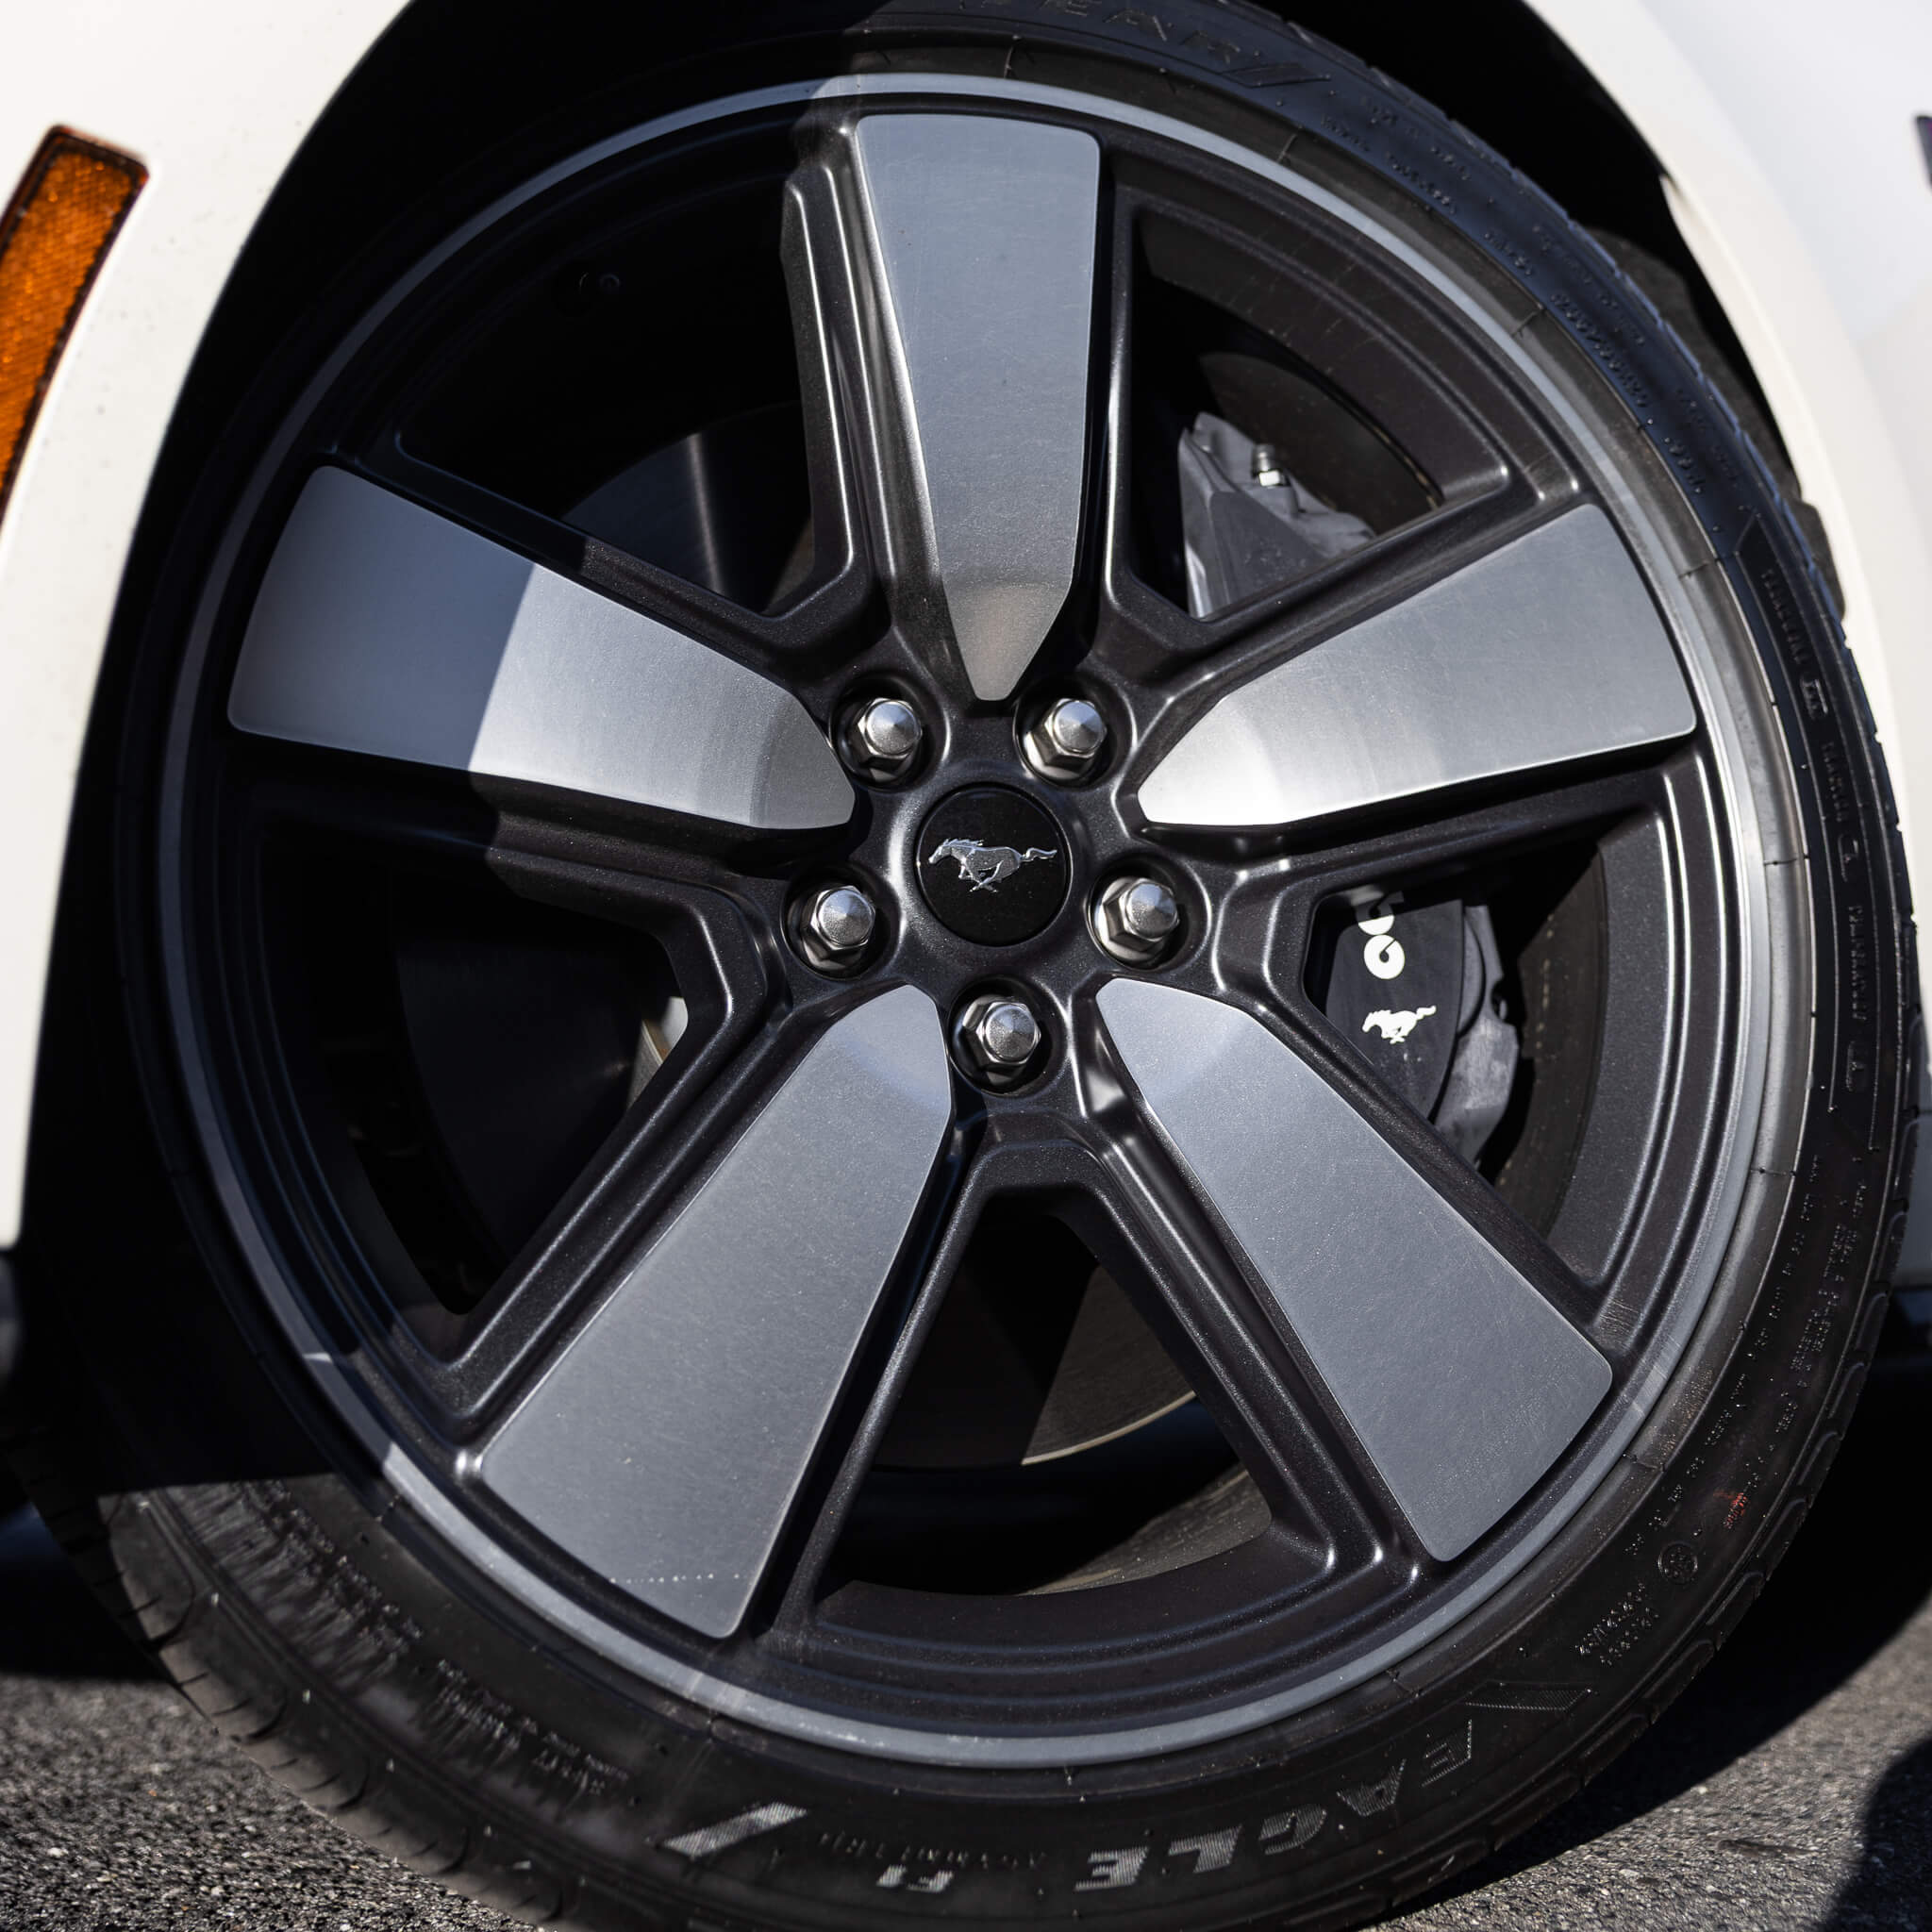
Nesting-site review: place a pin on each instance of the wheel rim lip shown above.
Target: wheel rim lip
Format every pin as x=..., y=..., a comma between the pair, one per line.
x=1744, y=1113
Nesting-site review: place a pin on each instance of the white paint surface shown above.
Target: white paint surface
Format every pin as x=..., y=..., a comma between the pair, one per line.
x=214, y=99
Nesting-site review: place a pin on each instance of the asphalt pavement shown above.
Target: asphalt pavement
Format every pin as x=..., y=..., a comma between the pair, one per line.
x=1790, y=1787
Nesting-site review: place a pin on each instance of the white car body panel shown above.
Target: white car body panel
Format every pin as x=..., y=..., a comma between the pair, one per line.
x=214, y=99
x=1793, y=167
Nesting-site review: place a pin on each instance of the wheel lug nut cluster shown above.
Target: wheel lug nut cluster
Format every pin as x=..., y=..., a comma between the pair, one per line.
x=881, y=737
x=833, y=926
x=1137, y=919
x=1000, y=1035
x=1066, y=740
x=990, y=833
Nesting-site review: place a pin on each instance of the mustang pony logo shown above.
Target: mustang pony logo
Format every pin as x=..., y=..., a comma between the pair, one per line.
x=1396, y=1027
x=984, y=866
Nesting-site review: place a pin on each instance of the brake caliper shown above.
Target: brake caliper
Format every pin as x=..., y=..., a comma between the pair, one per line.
x=1418, y=992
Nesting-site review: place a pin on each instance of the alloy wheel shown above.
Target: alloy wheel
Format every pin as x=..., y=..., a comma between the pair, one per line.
x=991, y=995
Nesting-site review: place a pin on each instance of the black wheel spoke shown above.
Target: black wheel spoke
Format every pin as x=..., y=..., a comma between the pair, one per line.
x=1459, y=1378
x=931, y=1245
x=1429, y=841
x=1545, y=651
x=545, y=846
x=385, y=629
x=1270, y=1410
x=949, y=260
x=783, y=643
x=664, y=1443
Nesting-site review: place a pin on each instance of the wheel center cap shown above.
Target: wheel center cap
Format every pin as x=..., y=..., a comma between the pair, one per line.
x=992, y=865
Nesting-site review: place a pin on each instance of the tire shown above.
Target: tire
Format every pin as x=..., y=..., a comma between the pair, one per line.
x=217, y=1413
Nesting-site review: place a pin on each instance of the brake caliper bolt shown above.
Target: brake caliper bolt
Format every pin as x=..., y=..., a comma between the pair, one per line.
x=1136, y=919
x=1000, y=1035
x=834, y=926
x=1066, y=741
x=881, y=737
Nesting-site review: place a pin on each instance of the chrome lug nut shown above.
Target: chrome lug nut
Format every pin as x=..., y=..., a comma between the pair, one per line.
x=1136, y=919
x=881, y=738
x=1000, y=1035
x=833, y=926
x=1075, y=727
x=843, y=919
x=1006, y=1033
x=889, y=728
x=1066, y=740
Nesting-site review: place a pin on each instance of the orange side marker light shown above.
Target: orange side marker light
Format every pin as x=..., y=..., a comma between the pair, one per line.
x=68, y=207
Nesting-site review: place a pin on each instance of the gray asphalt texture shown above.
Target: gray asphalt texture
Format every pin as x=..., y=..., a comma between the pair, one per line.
x=1790, y=1787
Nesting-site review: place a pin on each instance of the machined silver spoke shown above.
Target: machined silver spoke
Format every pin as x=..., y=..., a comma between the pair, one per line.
x=383, y=629
x=980, y=238
x=1461, y=1382
x=665, y=1446
x=1545, y=650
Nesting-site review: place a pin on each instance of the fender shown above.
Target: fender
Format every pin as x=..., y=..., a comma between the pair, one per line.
x=213, y=100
